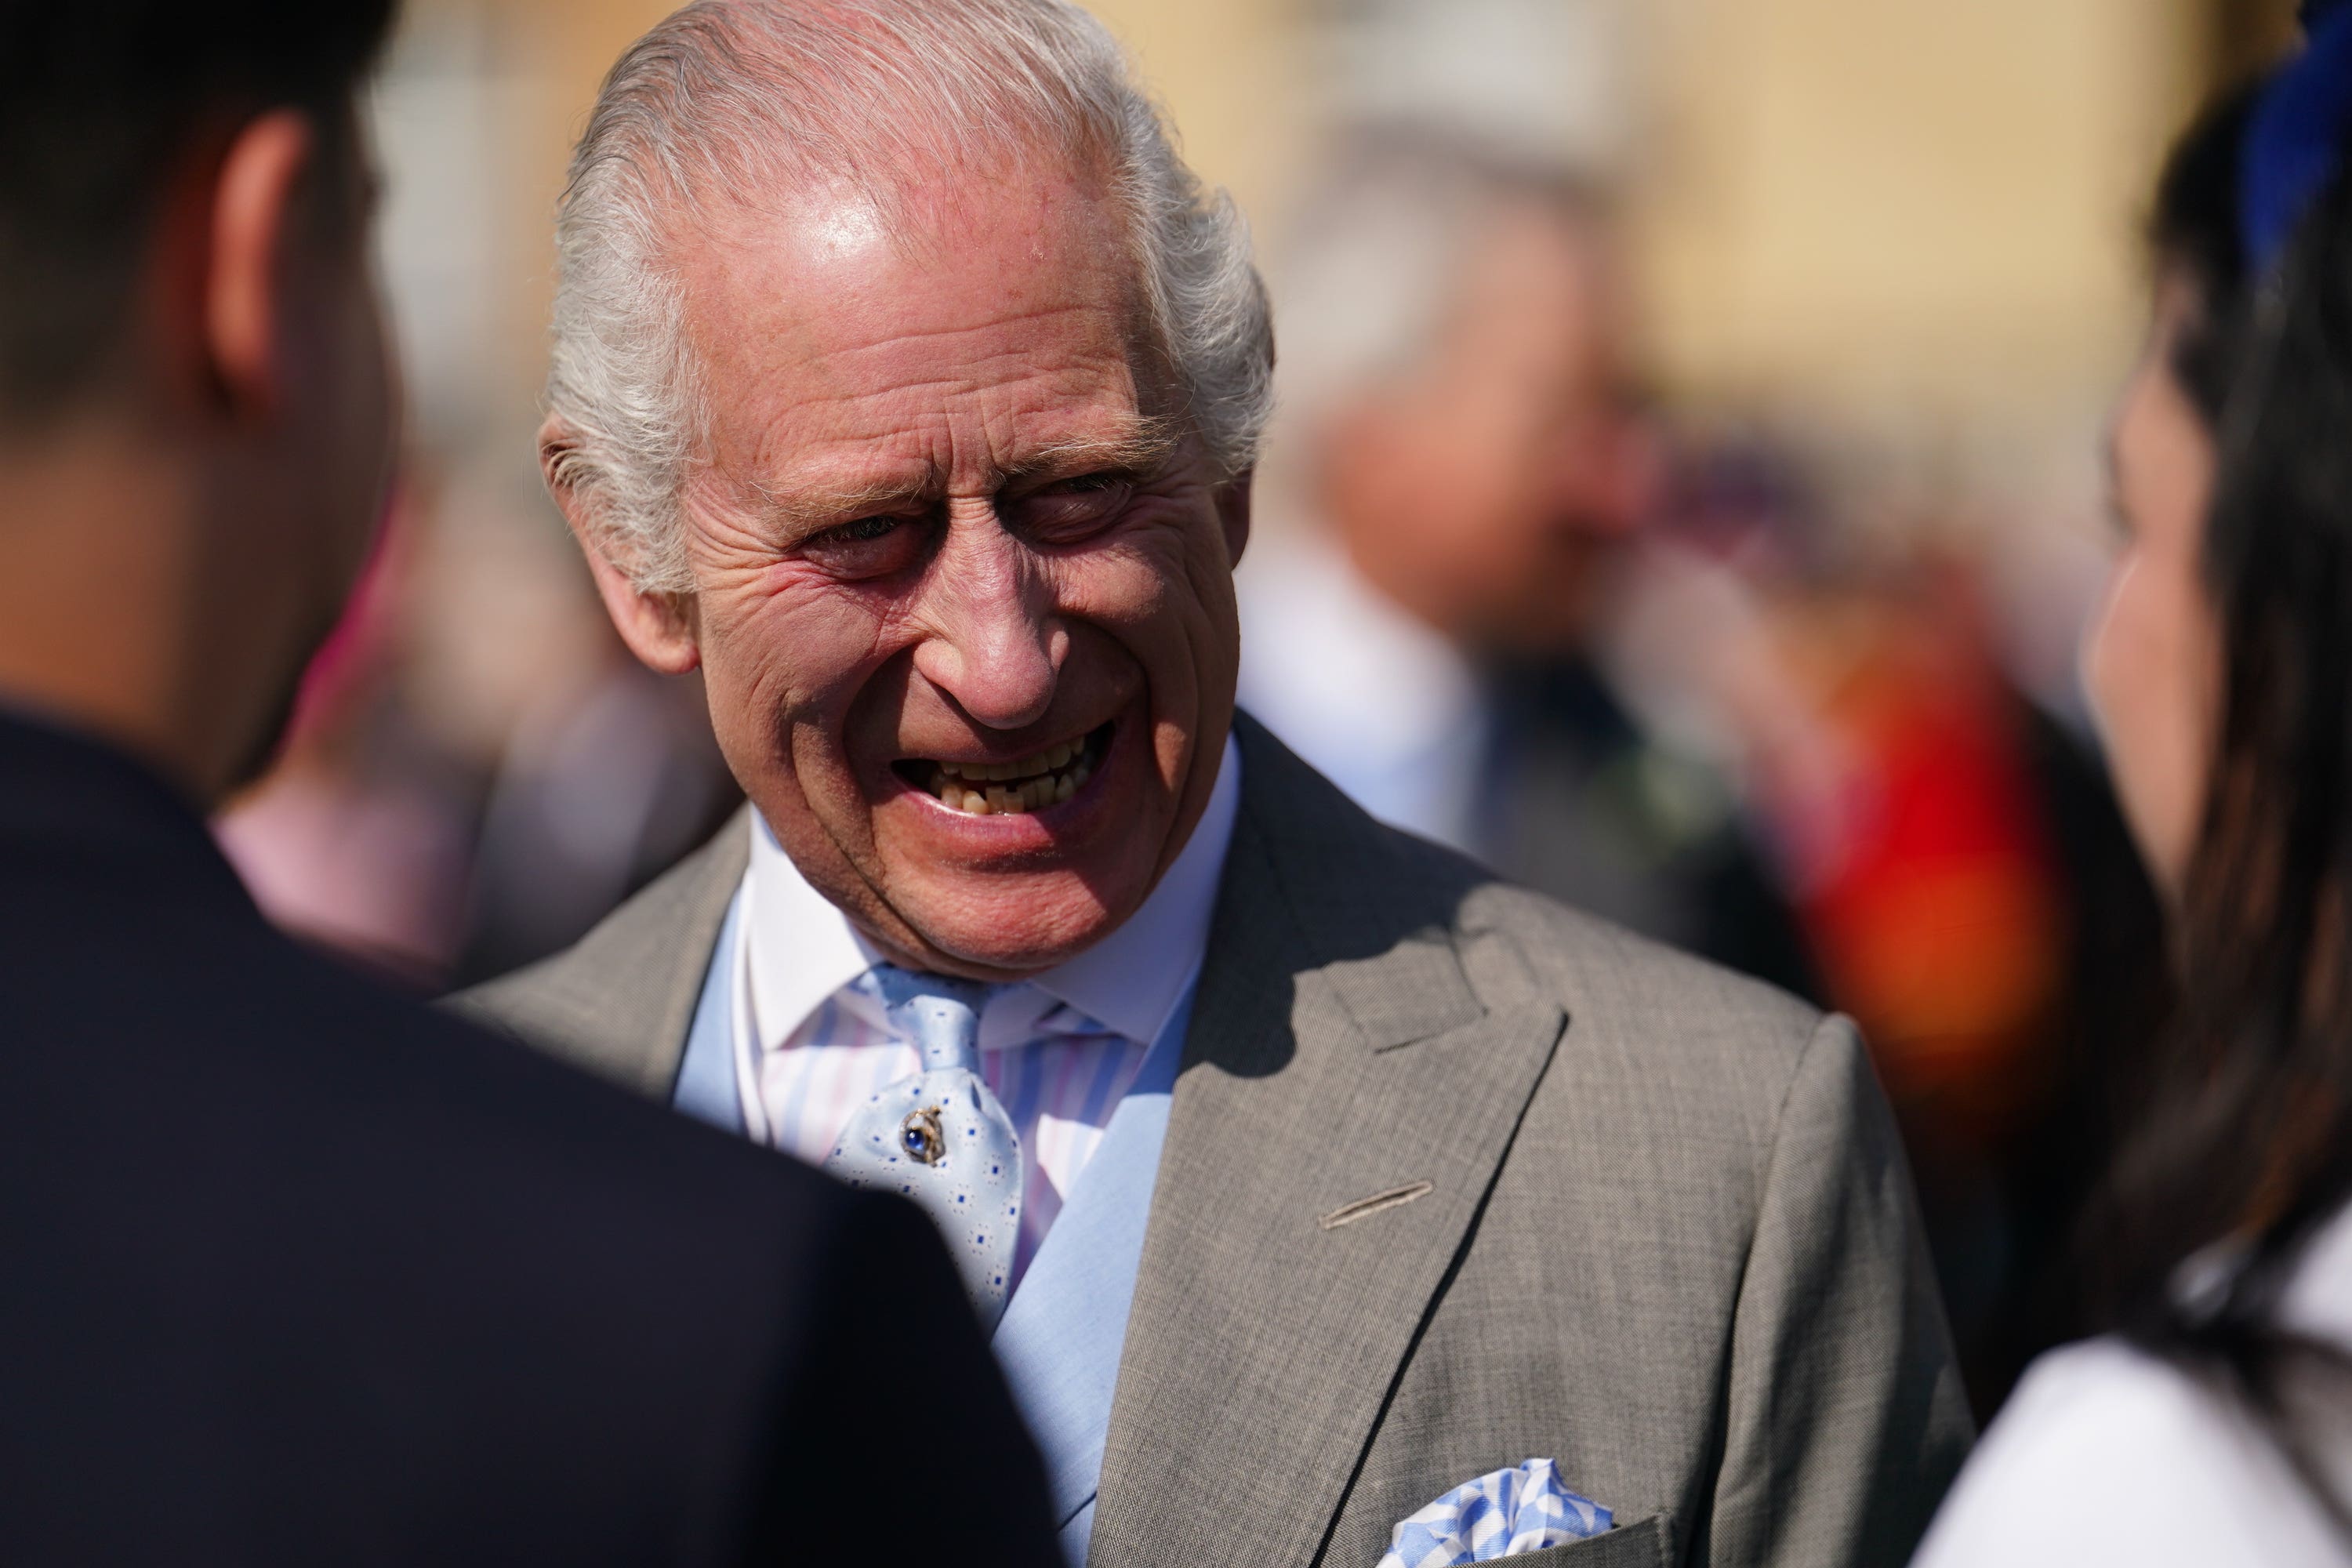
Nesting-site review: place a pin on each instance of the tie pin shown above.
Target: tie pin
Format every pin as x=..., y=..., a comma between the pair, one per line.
x=921, y=1136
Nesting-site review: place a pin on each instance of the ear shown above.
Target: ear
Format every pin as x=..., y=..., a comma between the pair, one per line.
x=659, y=626
x=256, y=214
x=1234, y=513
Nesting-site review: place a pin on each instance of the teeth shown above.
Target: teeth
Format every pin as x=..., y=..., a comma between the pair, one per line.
x=1044, y=765
x=1050, y=777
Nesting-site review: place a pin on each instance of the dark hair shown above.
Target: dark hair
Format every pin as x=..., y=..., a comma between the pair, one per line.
x=103, y=95
x=2242, y=1148
x=2193, y=233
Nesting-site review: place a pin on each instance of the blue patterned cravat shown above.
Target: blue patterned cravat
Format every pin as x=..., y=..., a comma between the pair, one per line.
x=940, y=1137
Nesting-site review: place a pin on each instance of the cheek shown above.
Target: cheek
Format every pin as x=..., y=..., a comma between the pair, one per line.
x=2107, y=663
x=1164, y=589
x=784, y=660
x=1164, y=594
x=2149, y=670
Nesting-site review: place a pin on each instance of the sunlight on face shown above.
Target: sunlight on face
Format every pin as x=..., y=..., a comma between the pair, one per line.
x=2152, y=661
x=963, y=598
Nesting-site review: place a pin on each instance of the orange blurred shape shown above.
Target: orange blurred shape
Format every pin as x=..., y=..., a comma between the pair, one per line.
x=1936, y=906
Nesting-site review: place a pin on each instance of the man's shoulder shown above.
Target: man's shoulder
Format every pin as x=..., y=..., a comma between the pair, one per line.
x=1579, y=957
x=1660, y=1053
x=1343, y=866
x=407, y=1073
x=616, y=1003
x=425, y=1127
x=1661, y=1021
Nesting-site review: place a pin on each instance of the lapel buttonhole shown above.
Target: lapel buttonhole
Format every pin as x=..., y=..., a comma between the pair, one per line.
x=1364, y=1208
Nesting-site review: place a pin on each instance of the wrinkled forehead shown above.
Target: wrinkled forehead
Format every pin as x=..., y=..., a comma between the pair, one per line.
x=1011, y=290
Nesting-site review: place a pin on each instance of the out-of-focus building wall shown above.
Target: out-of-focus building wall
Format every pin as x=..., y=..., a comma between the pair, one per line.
x=1907, y=214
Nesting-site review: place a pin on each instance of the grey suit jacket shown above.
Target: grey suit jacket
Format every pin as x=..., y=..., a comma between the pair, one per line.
x=1455, y=1177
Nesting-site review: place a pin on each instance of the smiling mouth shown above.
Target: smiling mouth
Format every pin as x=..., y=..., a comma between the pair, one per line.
x=1025, y=783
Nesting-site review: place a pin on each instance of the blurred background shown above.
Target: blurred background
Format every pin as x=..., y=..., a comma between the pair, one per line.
x=1686, y=498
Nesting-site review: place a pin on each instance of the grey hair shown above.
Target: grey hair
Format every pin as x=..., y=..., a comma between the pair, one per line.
x=1373, y=259
x=728, y=97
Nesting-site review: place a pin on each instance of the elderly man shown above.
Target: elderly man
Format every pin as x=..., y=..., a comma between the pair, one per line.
x=906, y=385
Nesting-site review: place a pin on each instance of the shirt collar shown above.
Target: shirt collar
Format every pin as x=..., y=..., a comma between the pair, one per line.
x=803, y=948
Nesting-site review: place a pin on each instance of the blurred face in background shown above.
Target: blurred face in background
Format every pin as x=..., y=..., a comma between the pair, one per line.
x=1487, y=487
x=963, y=599
x=2152, y=663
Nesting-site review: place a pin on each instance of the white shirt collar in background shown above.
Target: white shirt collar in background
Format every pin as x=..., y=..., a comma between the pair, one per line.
x=1382, y=705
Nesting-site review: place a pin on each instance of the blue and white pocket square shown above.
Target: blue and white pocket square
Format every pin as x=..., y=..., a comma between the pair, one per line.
x=1523, y=1508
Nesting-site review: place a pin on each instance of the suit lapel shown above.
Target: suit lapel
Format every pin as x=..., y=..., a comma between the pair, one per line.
x=1345, y=1103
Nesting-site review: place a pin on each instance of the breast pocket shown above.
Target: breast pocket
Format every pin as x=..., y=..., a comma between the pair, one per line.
x=1647, y=1544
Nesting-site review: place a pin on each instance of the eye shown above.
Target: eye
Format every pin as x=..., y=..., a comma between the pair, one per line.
x=868, y=547
x=1070, y=510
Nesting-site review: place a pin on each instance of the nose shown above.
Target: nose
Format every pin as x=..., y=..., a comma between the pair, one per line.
x=994, y=645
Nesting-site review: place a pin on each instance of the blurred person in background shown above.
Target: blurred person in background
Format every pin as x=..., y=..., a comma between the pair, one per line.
x=1463, y=468
x=295, y=1270
x=2215, y=1426
x=1654, y=671
x=909, y=386
x=1954, y=857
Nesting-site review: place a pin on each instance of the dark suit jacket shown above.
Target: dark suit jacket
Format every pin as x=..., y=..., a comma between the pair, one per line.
x=1457, y=1177
x=1583, y=805
x=293, y=1271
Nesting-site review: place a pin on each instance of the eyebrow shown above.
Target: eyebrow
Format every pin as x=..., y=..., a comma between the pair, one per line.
x=801, y=513
x=1142, y=447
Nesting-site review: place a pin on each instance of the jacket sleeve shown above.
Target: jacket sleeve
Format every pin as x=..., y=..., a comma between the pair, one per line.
x=1845, y=1419
x=895, y=1432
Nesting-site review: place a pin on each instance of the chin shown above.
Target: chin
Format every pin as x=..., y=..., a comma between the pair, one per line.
x=1024, y=928
x=1019, y=890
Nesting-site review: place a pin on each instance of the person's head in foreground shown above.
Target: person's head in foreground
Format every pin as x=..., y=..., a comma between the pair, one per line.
x=197, y=407
x=2222, y=671
x=926, y=437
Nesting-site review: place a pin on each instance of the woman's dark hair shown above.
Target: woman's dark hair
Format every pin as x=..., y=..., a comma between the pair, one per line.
x=2193, y=234
x=2242, y=1147
x=102, y=97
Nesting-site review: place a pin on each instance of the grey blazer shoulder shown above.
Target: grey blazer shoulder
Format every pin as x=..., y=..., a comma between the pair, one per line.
x=1454, y=1177
x=618, y=1002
